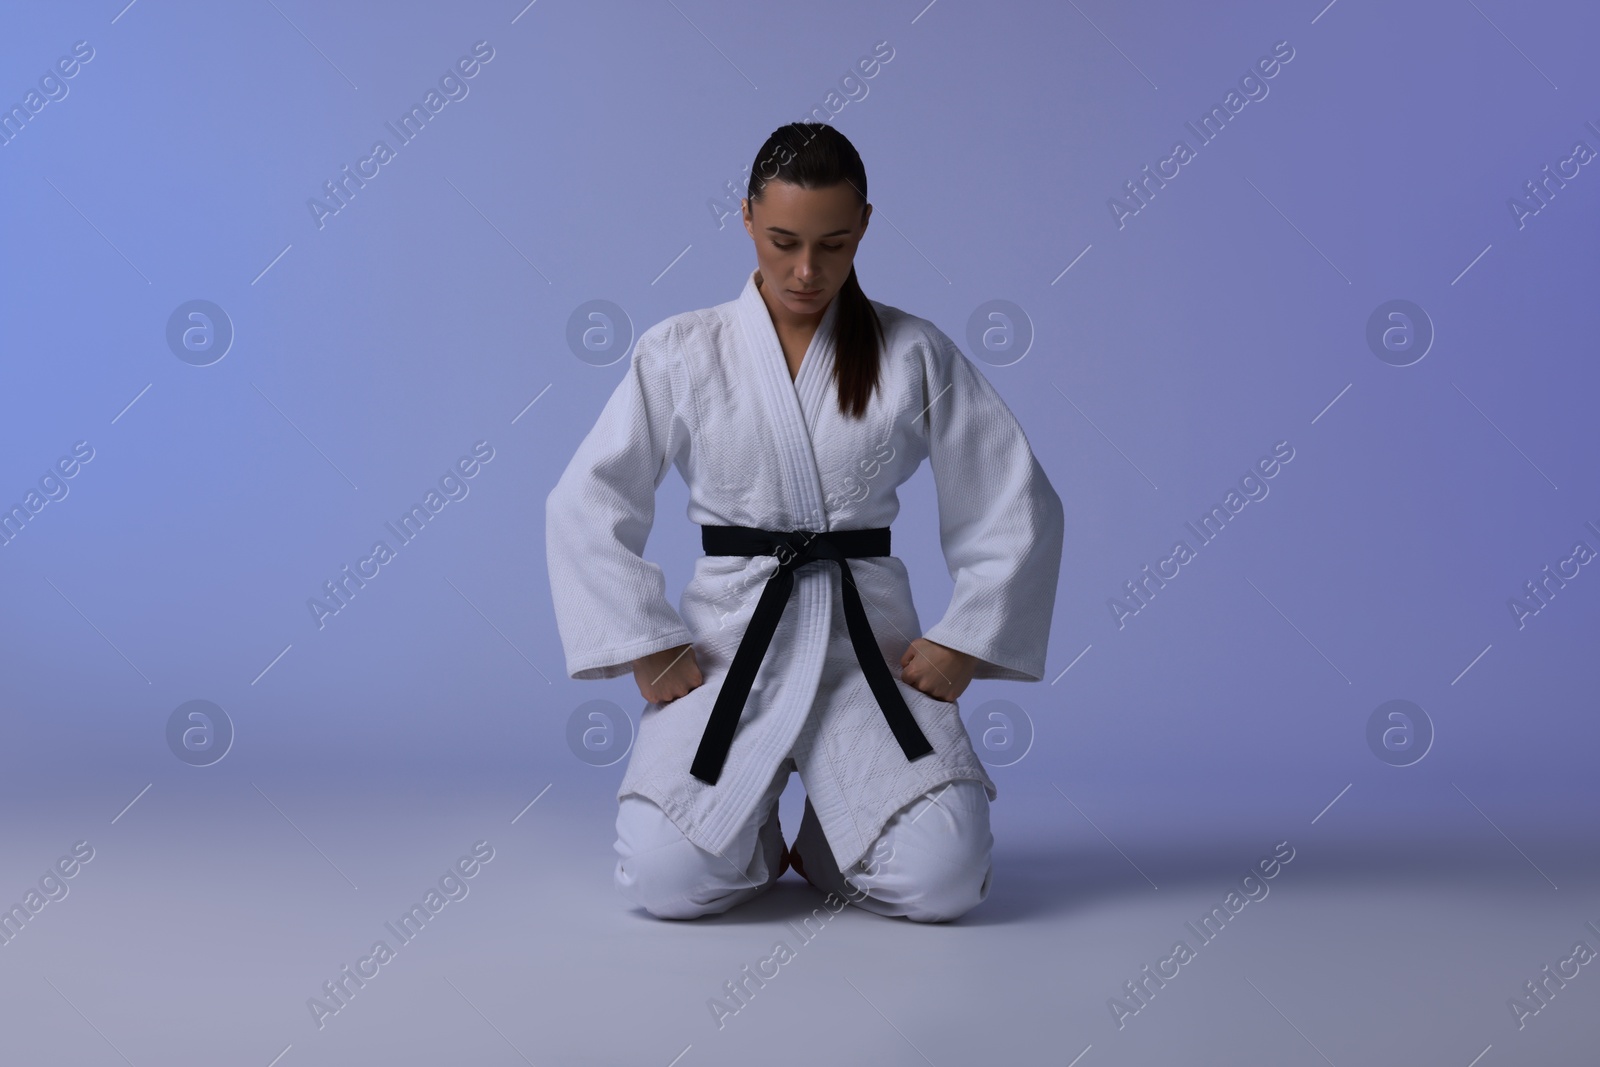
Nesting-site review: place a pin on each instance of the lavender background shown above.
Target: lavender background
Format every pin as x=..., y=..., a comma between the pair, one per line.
x=599, y=155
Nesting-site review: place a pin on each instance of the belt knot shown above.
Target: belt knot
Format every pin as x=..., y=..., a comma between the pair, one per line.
x=796, y=548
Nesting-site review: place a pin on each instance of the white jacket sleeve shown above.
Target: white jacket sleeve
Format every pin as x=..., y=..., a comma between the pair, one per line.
x=1000, y=521
x=610, y=602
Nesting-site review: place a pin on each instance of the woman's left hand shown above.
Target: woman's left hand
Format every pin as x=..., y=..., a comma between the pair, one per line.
x=941, y=672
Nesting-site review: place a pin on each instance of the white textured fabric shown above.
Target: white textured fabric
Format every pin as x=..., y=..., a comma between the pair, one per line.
x=931, y=863
x=709, y=392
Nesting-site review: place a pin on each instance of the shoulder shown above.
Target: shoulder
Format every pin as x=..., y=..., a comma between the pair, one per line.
x=914, y=337
x=681, y=338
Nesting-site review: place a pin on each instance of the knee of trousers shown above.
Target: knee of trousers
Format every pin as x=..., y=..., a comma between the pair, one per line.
x=666, y=875
x=948, y=888
x=944, y=867
x=662, y=888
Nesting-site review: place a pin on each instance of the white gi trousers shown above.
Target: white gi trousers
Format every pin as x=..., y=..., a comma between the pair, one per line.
x=931, y=863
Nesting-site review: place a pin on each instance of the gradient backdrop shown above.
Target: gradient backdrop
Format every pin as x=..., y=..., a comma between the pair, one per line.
x=224, y=375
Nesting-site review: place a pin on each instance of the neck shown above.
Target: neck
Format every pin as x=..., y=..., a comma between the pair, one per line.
x=782, y=317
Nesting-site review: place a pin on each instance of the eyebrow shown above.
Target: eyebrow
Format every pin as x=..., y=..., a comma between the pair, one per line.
x=791, y=233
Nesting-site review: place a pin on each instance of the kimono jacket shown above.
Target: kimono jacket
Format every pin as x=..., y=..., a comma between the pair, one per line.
x=709, y=392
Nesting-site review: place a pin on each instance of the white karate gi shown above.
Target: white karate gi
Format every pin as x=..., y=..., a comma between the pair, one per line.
x=932, y=863
x=709, y=392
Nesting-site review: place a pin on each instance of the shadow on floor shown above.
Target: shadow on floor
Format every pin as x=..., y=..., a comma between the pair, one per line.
x=1038, y=882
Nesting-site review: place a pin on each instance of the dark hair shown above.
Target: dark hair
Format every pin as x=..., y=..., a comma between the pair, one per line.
x=814, y=155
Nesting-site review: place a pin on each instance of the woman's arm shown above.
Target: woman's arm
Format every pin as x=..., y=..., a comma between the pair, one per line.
x=610, y=602
x=1000, y=521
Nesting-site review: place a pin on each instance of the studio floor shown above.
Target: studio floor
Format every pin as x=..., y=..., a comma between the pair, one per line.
x=211, y=920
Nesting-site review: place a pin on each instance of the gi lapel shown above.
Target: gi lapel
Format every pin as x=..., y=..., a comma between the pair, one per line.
x=788, y=401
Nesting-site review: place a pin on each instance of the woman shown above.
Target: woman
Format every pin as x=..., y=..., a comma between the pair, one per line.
x=793, y=413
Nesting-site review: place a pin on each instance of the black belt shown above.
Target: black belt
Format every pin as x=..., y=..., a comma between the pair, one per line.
x=794, y=550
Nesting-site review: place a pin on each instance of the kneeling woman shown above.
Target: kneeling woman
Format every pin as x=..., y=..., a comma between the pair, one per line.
x=793, y=413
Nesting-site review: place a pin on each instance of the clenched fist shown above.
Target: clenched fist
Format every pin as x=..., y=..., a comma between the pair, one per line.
x=667, y=675
x=937, y=670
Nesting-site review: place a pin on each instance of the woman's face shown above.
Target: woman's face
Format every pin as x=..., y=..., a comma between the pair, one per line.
x=805, y=242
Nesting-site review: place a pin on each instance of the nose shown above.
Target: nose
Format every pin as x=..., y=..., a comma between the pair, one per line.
x=806, y=273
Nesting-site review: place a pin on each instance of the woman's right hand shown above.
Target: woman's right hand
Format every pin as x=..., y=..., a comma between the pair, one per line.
x=667, y=675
